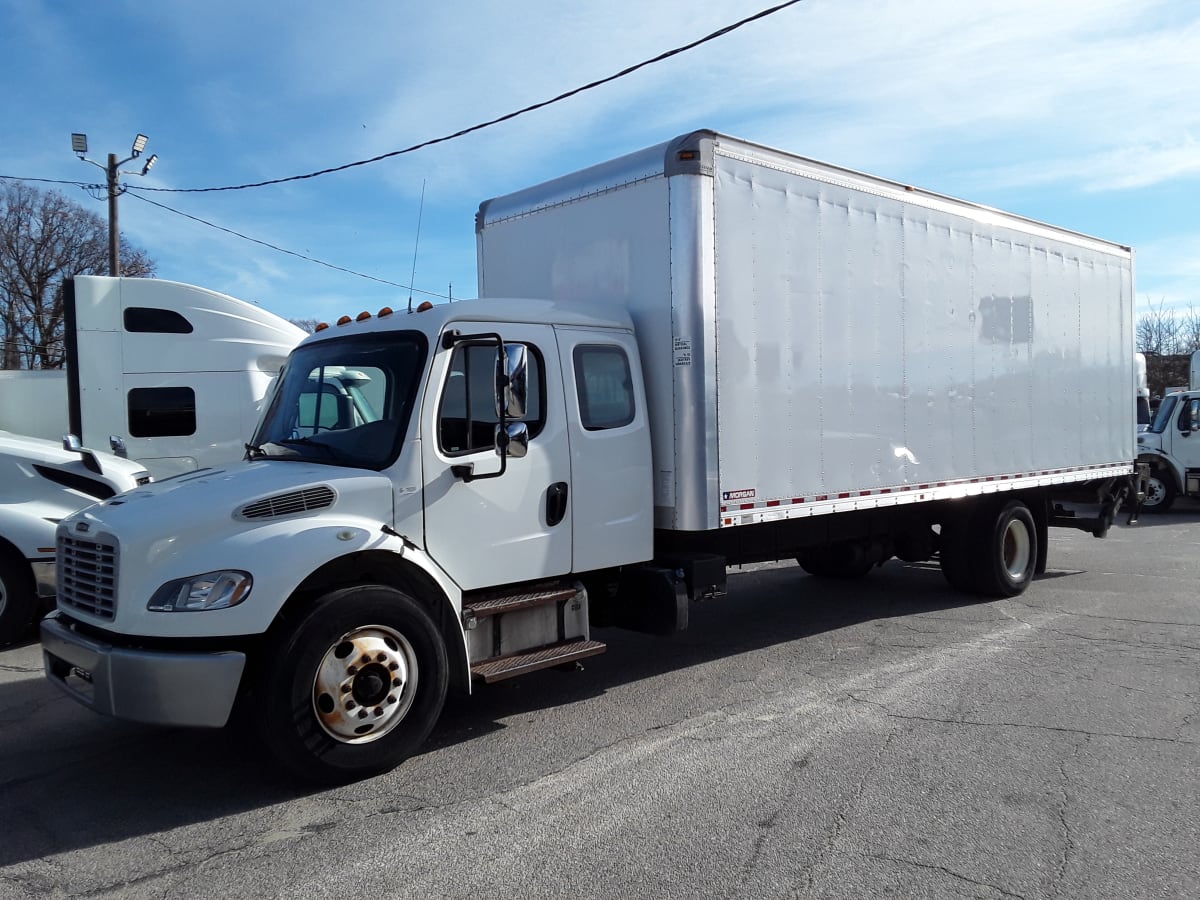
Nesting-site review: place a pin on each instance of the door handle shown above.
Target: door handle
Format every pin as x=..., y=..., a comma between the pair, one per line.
x=556, y=503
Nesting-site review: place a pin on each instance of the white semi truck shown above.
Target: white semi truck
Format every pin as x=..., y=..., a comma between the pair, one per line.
x=1170, y=447
x=702, y=354
x=171, y=375
x=43, y=483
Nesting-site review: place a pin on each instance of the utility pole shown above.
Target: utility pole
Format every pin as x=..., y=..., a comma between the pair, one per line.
x=112, y=182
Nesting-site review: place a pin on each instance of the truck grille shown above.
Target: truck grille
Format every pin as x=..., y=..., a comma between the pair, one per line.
x=87, y=577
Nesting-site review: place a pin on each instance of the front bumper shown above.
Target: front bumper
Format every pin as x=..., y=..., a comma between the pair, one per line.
x=154, y=686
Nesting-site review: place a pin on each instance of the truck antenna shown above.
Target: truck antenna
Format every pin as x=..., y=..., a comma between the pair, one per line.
x=416, y=243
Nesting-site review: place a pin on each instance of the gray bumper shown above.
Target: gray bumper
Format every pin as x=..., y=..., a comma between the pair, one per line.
x=162, y=688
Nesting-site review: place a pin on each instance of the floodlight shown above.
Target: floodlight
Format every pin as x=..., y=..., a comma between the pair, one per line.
x=150, y=163
x=139, y=144
x=79, y=142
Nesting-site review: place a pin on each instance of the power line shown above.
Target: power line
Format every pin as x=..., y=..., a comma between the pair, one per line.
x=310, y=259
x=49, y=181
x=508, y=116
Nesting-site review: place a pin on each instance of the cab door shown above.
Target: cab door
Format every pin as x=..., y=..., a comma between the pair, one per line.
x=495, y=528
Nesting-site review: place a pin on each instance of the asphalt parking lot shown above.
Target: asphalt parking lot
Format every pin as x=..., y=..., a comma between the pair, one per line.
x=804, y=738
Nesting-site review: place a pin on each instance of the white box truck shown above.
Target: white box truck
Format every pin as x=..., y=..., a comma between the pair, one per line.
x=703, y=354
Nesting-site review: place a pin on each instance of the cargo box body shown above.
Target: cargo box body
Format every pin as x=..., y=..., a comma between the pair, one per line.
x=816, y=340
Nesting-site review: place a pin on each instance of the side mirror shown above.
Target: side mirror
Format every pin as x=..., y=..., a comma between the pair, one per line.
x=117, y=444
x=512, y=381
x=513, y=440
x=72, y=444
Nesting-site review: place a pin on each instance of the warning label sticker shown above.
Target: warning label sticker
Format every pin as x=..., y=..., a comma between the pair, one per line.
x=683, y=352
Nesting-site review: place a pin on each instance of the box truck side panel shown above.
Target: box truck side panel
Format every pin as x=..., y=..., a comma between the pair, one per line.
x=871, y=345
x=610, y=246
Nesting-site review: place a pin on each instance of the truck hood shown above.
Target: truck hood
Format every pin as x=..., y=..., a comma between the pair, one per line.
x=21, y=451
x=253, y=493
x=277, y=520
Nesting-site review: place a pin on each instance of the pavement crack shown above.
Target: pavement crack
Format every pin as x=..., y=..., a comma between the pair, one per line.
x=826, y=848
x=768, y=824
x=1068, y=840
x=958, y=876
x=1060, y=729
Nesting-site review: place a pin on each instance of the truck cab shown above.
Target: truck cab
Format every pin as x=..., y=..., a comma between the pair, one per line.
x=422, y=504
x=1171, y=447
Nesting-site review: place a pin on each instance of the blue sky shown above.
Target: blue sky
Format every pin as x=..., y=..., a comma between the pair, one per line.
x=1082, y=114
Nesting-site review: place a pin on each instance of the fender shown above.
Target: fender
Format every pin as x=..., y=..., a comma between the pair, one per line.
x=401, y=564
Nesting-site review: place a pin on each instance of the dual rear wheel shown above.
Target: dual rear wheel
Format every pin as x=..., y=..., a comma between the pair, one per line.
x=990, y=548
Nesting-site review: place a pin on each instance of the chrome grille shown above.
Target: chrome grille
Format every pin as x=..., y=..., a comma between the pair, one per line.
x=290, y=503
x=87, y=577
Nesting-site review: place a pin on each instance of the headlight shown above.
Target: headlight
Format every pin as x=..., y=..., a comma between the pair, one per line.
x=212, y=590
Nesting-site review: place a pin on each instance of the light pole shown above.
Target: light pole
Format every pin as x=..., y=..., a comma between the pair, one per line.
x=113, y=173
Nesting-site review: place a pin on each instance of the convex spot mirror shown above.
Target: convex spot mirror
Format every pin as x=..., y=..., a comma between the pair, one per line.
x=512, y=440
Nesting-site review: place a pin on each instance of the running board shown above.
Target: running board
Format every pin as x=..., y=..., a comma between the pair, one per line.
x=522, y=663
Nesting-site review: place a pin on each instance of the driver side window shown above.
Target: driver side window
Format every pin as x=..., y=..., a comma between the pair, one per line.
x=1189, y=416
x=467, y=416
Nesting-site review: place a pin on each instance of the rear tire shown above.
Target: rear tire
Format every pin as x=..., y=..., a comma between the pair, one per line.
x=844, y=560
x=354, y=687
x=18, y=597
x=990, y=549
x=1005, y=548
x=954, y=556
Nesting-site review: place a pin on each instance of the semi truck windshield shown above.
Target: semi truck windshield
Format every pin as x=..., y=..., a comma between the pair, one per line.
x=344, y=401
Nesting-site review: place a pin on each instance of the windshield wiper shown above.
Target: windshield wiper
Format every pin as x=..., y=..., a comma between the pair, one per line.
x=254, y=451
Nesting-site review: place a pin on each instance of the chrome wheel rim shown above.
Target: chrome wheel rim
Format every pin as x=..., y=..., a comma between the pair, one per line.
x=365, y=684
x=1017, y=549
x=1154, y=492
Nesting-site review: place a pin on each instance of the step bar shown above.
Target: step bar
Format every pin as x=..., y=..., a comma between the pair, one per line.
x=493, y=670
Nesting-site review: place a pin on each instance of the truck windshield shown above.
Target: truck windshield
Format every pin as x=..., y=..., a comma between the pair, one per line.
x=1163, y=417
x=344, y=401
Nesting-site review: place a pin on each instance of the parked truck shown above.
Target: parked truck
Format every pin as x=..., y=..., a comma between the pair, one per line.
x=43, y=483
x=1170, y=447
x=703, y=354
x=171, y=375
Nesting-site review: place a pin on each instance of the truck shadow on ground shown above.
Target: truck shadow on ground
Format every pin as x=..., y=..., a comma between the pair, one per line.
x=71, y=780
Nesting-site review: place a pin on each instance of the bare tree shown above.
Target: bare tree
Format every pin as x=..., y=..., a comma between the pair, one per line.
x=309, y=325
x=1189, y=331
x=1158, y=330
x=45, y=238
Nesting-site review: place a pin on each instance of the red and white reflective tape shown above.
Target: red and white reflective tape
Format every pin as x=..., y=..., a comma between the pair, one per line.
x=797, y=507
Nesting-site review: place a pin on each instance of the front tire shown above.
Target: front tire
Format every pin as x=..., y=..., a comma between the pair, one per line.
x=1160, y=493
x=354, y=687
x=18, y=597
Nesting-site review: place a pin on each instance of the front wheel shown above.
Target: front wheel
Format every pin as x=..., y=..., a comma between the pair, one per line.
x=18, y=597
x=1160, y=493
x=354, y=687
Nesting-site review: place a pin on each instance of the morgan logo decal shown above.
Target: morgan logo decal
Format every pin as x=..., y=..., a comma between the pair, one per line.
x=747, y=494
